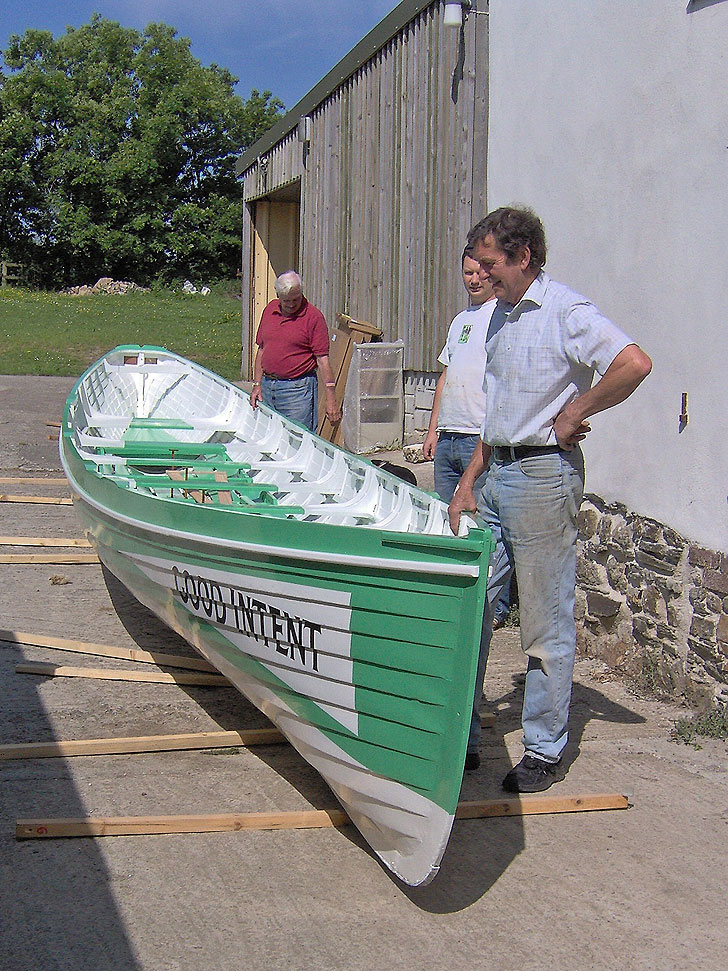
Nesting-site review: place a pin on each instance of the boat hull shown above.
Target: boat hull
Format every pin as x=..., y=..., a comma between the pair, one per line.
x=362, y=649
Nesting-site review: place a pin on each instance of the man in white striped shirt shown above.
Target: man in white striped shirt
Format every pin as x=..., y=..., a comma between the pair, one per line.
x=544, y=344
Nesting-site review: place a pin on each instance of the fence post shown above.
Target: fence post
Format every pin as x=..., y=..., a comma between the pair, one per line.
x=10, y=272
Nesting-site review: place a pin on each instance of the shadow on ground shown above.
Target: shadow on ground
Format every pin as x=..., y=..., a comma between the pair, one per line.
x=42, y=881
x=479, y=851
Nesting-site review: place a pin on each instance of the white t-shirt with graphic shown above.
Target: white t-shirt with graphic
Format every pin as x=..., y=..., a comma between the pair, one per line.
x=462, y=405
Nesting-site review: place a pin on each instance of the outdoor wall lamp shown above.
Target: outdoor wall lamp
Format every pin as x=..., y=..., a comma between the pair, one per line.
x=455, y=13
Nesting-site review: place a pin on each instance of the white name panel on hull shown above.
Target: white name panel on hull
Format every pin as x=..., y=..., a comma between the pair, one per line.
x=300, y=633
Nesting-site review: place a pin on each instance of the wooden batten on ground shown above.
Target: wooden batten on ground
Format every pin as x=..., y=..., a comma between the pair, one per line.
x=105, y=650
x=142, y=744
x=119, y=674
x=29, y=558
x=48, y=500
x=306, y=819
x=32, y=480
x=44, y=541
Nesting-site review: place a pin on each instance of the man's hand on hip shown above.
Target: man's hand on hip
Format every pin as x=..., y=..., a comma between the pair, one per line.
x=570, y=429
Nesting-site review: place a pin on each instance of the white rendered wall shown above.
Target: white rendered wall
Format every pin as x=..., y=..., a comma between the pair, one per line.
x=610, y=119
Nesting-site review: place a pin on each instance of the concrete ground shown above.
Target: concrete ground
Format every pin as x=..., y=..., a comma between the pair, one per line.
x=637, y=889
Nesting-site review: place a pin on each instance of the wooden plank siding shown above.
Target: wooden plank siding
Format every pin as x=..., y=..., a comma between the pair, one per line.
x=393, y=178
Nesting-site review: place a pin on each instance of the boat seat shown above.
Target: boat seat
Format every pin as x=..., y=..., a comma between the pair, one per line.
x=151, y=449
x=191, y=464
x=154, y=423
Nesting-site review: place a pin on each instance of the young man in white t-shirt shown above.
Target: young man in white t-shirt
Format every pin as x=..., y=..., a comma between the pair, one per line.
x=459, y=403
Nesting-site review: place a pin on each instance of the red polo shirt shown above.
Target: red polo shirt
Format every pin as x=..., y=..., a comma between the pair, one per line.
x=290, y=345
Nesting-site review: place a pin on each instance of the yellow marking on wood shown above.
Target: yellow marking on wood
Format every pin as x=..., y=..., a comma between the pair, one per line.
x=42, y=541
x=49, y=500
x=48, y=558
x=105, y=650
x=306, y=819
x=118, y=674
x=140, y=744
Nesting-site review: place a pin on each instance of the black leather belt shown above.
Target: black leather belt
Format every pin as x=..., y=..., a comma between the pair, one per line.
x=511, y=453
x=278, y=377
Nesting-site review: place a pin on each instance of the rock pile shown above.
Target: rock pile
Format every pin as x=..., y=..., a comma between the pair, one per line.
x=104, y=284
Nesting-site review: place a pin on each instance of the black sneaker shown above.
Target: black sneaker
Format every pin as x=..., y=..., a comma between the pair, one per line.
x=532, y=775
x=472, y=761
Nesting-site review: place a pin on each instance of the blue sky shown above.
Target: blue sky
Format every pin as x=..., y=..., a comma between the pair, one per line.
x=284, y=46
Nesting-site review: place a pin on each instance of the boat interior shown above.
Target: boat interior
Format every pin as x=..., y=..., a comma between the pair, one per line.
x=153, y=422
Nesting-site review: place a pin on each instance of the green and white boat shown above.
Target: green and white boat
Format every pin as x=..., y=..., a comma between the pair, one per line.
x=332, y=594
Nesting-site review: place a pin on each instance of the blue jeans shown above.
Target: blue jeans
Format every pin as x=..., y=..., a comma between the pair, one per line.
x=452, y=457
x=296, y=399
x=531, y=506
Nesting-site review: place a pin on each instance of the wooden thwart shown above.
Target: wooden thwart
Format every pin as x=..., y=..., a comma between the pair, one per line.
x=49, y=500
x=104, y=650
x=48, y=558
x=43, y=541
x=306, y=819
x=118, y=674
x=140, y=744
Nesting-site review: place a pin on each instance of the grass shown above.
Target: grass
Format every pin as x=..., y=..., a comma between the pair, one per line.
x=712, y=723
x=46, y=333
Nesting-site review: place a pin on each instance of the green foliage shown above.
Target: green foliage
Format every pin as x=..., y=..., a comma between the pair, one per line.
x=48, y=333
x=117, y=155
x=712, y=723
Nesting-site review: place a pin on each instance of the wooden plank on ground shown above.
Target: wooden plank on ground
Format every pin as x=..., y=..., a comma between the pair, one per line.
x=48, y=558
x=118, y=674
x=48, y=500
x=105, y=650
x=140, y=744
x=306, y=819
x=43, y=541
x=150, y=825
x=537, y=804
x=32, y=480
x=137, y=745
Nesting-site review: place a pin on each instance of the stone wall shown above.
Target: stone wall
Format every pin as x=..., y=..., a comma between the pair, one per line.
x=651, y=604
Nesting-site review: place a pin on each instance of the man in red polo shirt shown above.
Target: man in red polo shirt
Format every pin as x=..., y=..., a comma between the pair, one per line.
x=293, y=342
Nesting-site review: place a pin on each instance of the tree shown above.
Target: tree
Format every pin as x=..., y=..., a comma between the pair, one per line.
x=117, y=155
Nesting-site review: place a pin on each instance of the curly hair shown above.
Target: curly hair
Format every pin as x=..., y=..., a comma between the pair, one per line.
x=512, y=229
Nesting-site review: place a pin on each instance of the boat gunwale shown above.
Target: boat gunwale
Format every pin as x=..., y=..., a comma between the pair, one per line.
x=382, y=564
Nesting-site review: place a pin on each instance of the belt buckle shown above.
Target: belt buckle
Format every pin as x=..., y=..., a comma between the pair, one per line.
x=512, y=451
